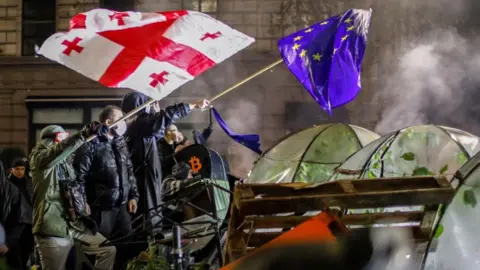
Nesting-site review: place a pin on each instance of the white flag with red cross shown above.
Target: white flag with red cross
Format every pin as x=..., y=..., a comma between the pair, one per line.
x=153, y=53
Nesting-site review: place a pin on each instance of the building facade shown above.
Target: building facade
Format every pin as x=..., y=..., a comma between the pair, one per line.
x=35, y=92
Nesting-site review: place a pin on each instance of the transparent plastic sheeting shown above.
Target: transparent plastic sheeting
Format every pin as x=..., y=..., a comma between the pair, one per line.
x=413, y=151
x=456, y=241
x=416, y=150
x=310, y=155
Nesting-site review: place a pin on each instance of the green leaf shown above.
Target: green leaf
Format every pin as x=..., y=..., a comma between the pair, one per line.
x=438, y=231
x=461, y=158
x=421, y=171
x=444, y=169
x=371, y=175
x=409, y=156
x=469, y=198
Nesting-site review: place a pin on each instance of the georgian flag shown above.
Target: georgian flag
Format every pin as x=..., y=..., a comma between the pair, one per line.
x=153, y=53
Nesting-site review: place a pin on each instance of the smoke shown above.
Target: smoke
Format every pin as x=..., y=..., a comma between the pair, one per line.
x=435, y=81
x=242, y=117
x=240, y=108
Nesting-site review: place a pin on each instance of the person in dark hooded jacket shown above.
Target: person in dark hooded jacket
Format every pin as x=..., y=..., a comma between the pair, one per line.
x=19, y=229
x=141, y=136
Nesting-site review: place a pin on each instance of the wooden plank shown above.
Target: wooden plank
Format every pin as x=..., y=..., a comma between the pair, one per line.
x=236, y=248
x=426, y=224
x=270, y=222
x=442, y=182
x=259, y=239
x=265, y=206
x=381, y=184
x=232, y=225
x=347, y=186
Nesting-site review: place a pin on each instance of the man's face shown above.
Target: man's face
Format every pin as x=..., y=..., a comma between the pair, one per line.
x=18, y=171
x=173, y=134
x=117, y=114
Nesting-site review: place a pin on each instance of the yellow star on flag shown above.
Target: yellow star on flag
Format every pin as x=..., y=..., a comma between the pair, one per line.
x=295, y=47
x=317, y=56
x=309, y=30
x=344, y=37
x=350, y=28
x=348, y=20
x=324, y=23
x=303, y=53
x=297, y=38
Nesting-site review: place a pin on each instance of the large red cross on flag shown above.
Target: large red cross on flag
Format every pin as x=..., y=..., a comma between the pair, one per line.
x=153, y=53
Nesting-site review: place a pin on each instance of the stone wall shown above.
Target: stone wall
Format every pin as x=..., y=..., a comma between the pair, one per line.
x=257, y=106
x=9, y=27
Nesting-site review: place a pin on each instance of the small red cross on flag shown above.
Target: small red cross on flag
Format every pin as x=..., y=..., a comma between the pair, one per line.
x=158, y=78
x=212, y=36
x=119, y=17
x=153, y=53
x=72, y=46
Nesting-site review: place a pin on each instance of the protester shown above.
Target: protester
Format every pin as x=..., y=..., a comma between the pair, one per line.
x=174, y=141
x=60, y=211
x=104, y=167
x=141, y=135
x=19, y=222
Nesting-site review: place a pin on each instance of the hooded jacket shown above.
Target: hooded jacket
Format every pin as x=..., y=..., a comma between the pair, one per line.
x=49, y=167
x=141, y=139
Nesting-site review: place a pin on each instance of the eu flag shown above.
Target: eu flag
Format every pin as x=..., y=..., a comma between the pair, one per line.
x=251, y=141
x=327, y=57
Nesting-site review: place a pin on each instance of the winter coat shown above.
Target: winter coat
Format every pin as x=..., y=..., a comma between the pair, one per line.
x=50, y=171
x=105, y=168
x=141, y=139
x=22, y=194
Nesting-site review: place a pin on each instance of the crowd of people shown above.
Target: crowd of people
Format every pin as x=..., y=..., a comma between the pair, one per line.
x=74, y=190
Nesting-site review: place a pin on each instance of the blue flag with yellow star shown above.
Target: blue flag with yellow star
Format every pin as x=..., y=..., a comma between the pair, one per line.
x=327, y=57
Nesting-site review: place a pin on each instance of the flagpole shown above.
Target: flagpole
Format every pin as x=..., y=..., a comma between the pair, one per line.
x=126, y=116
x=149, y=102
x=246, y=80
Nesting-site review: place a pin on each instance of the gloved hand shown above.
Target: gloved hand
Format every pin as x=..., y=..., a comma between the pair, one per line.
x=94, y=128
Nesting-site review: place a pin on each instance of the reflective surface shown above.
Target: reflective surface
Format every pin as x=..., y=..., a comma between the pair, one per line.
x=413, y=151
x=456, y=242
x=416, y=150
x=310, y=155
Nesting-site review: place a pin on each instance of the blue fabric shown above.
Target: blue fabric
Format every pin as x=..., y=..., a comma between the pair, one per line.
x=251, y=141
x=327, y=56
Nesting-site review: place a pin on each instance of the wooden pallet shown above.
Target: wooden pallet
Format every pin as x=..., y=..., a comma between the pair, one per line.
x=257, y=207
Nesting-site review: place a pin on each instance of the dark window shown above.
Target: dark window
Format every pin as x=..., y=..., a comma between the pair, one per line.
x=38, y=23
x=73, y=113
x=118, y=5
x=206, y=6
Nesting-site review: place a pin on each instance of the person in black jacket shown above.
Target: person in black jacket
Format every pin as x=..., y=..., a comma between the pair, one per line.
x=141, y=135
x=174, y=141
x=105, y=168
x=19, y=228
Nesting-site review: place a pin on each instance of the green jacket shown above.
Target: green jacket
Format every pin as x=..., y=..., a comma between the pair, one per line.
x=49, y=165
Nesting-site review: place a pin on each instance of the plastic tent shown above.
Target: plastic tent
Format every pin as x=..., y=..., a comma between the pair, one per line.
x=413, y=151
x=416, y=150
x=456, y=242
x=309, y=155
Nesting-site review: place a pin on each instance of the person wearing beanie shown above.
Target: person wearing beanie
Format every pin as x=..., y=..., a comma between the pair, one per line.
x=19, y=224
x=60, y=213
x=143, y=130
